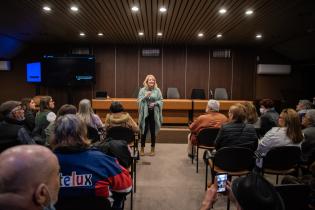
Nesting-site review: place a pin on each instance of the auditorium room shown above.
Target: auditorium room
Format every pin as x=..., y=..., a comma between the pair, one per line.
x=157, y=104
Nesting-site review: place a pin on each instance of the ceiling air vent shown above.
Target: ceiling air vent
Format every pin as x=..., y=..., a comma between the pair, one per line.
x=221, y=53
x=150, y=52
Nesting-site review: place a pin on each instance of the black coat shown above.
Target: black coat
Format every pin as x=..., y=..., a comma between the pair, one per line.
x=236, y=134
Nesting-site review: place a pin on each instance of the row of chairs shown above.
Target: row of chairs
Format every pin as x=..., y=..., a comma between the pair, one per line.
x=219, y=94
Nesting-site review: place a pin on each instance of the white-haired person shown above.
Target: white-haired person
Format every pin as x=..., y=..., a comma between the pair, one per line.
x=308, y=144
x=87, y=115
x=150, y=111
x=211, y=119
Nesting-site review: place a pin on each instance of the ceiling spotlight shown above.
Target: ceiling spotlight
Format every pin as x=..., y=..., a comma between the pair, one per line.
x=135, y=9
x=249, y=12
x=74, y=8
x=140, y=33
x=162, y=9
x=219, y=35
x=159, y=34
x=200, y=35
x=222, y=11
x=82, y=34
x=100, y=34
x=46, y=8
x=258, y=36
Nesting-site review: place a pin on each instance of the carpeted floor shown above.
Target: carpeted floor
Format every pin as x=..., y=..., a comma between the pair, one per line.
x=168, y=181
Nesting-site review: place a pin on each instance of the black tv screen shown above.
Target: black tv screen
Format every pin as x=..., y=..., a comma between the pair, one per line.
x=68, y=71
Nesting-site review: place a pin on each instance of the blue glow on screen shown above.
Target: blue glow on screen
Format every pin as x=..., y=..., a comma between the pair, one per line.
x=33, y=72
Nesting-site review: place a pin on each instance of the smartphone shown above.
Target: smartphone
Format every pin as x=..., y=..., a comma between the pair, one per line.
x=221, y=180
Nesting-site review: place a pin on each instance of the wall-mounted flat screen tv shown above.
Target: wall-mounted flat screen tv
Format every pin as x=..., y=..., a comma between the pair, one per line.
x=33, y=72
x=68, y=70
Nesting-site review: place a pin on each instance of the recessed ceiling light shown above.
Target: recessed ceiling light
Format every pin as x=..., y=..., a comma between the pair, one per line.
x=258, y=36
x=222, y=11
x=100, y=34
x=219, y=35
x=162, y=9
x=140, y=33
x=135, y=9
x=249, y=12
x=74, y=8
x=200, y=35
x=46, y=8
x=159, y=34
x=82, y=34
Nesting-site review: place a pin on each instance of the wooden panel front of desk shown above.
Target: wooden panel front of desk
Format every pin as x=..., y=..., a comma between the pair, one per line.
x=175, y=111
x=199, y=106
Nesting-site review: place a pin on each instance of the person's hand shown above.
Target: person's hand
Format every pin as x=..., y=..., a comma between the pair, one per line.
x=210, y=198
x=151, y=105
x=148, y=94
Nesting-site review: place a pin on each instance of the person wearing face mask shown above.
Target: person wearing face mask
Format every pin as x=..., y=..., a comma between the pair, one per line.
x=269, y=116
x=150, y=111
x=12, y=130
x=29, y=178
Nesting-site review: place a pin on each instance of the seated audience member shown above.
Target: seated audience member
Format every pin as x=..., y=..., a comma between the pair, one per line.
x=64, y=109
x=28, y=106
x=87, y=115
x=97, y=174
x=237, y=133
x=251, y=114
x=29, y=178
x=308, y=145
x=252, y=192
x=302, y=107
x=12, y=130
x=288, y=133
x=117, y=117
x=269, y=116
x=43, y=118
x=211, y=119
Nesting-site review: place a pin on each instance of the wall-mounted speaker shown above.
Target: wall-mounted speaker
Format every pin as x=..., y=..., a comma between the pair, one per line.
x=5, y=65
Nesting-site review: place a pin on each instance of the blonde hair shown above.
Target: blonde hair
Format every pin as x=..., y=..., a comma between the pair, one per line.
x=238, y=112
x=251, y=114
x=292, y=122
x=145, y=82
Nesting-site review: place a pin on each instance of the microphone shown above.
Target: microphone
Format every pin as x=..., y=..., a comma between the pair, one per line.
x=211, y=94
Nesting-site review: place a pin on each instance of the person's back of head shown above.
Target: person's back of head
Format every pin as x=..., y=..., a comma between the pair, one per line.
x=237, y=113
x=29, y=178
x=309, y=118
x=289, y=118
x=70, y=130
x=116, y=107
x=251, y=114
x=254, y=192
x=303, y=104
x=267, y=103
x=66, y=109
x=213, y=105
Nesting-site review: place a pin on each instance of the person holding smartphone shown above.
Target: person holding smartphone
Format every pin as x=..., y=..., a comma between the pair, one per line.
x=150, y=111
x=243, y=191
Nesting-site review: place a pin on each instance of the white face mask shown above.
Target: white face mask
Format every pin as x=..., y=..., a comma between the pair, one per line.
x=262, y=110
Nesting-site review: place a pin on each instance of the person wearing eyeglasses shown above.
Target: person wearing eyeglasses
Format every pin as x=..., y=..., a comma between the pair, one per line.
x=288, y=133
x=12, y=130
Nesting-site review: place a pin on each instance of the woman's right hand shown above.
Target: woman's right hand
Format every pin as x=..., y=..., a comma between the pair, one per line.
x=148, y=94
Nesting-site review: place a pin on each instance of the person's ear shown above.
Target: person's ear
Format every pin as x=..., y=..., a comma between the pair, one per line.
x=41, y=195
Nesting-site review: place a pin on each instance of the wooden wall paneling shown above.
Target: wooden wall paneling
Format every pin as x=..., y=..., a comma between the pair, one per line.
x=150, y=65
x=221, y=74
x=126, y=71
x=174, y=69
x=105, y=70
x=244, y=67
x=197, y=69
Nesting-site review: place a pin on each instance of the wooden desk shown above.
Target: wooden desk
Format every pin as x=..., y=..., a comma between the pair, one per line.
x=175, y=111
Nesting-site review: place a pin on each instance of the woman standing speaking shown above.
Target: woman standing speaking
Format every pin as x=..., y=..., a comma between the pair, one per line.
x=150, y=111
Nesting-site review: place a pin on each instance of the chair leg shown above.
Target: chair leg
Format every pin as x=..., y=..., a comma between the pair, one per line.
x=135, y=176
x=206, y=184
x=192, y=154
x=277, y=179
x=197, y=155
x=228, y=203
